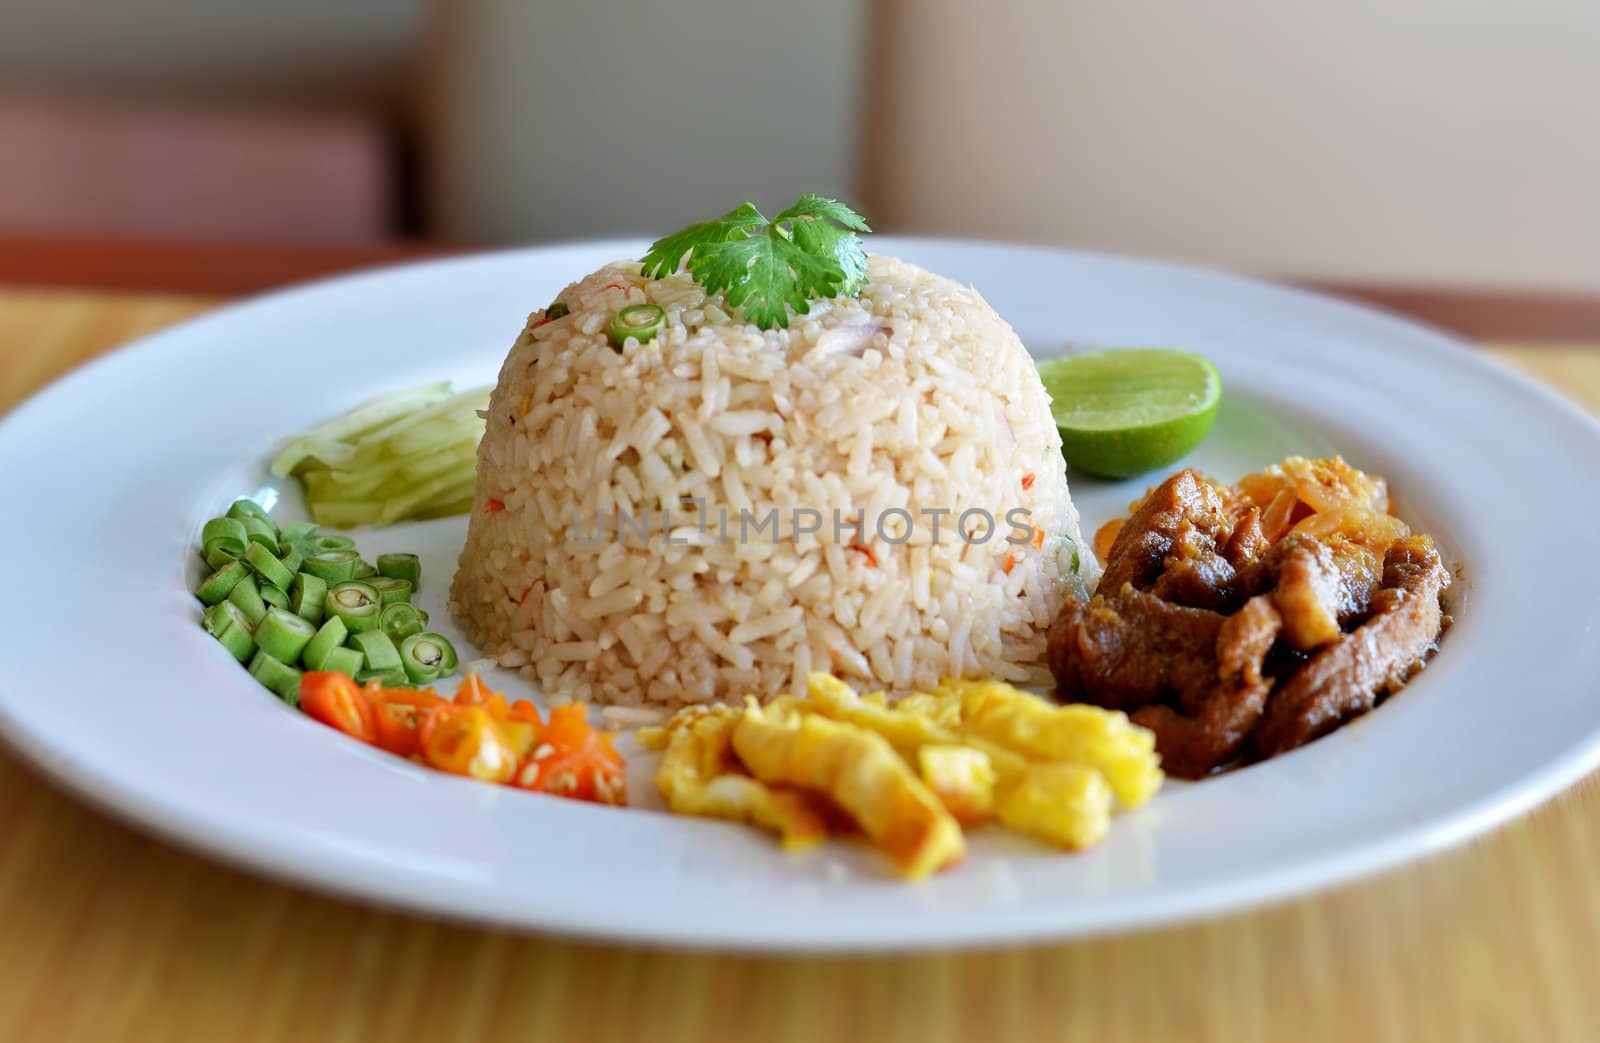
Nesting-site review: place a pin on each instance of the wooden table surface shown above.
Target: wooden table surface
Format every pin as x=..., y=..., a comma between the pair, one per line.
x=107, y=934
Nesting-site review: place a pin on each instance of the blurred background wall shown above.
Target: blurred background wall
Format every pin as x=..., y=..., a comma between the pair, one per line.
x=1452, y=141
x=1419, y=141
x=627, y=116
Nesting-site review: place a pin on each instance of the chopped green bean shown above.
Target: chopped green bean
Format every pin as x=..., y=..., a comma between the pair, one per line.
x=217, y=555
x=333, y=566
x=401, y=620
x=328, y=637
x=395, y=678
x=401, y=566
x=392, y=591
x=221, y=615
x=639, y=321
x=277, y=675
x=228, y=533
x=422, y=657
x=220, y=583
x=283, y=635
x=279, y=600
x=280, y=677
x=447, y=661
x=247, y=596
x=228, y=625
x=243, y=509
x=357, y=603
x=306, y=596
x=376, y=649
x=267, y=566
x=342, y=660
x=331, y=541
x=262, y=531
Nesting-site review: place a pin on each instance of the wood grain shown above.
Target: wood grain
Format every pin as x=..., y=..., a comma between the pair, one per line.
x=106, y=934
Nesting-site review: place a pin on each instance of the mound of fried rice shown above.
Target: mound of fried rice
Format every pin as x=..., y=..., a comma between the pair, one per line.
x=915, y=396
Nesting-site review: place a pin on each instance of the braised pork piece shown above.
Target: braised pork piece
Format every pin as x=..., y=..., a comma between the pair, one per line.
x=1248, y=620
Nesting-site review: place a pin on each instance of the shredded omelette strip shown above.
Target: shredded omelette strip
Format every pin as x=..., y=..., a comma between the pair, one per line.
x=697, y=777
x=909, y=774
x=860, y=771
x=1104, y=739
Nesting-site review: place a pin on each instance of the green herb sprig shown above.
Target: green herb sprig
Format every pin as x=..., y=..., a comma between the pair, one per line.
x=768, y=267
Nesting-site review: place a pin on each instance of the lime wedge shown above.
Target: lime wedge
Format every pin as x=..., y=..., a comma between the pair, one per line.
x=1132, y=410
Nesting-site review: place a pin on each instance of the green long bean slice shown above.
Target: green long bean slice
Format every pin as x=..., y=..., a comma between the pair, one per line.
x=395, y=678
x=447, y=661
x=275, y=597
x=218, y=554
x=401, y=566
x=227, y=533
x=401, y=620
x=267, y=566
x=391, y=591
x=306, y=597
x=332, y=566
x=247, y=596
x=283, y=635
x=376, y=649
x=342, y=660
x=423, y=657
x=220, y=584
x=228, y=625
x=329, y=636
x=639, y=321
x=280, y=677
x=331, y=541
x=242, y=509
x=357, y=603
x=262, y=531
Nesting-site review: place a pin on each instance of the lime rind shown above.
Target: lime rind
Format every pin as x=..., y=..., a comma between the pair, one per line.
x=1124, y=412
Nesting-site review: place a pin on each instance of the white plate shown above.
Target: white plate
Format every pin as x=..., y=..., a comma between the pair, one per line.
x=113, y=689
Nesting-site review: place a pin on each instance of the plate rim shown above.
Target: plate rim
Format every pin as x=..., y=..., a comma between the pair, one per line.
x=1194, y=902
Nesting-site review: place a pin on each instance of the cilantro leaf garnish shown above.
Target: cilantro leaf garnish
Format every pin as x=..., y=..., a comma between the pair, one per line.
x=767, y=268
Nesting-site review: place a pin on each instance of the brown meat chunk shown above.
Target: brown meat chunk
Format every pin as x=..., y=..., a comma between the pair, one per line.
x=1132, y=651
x=1307, y=594
x=1360, y=577
x=1193, y=573
x=1318, y=586
x=1061, y=650
x=1222, y=718
x=1346, y=678
x=1247, y=542
x=1146, y=539
x=1131, y=648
